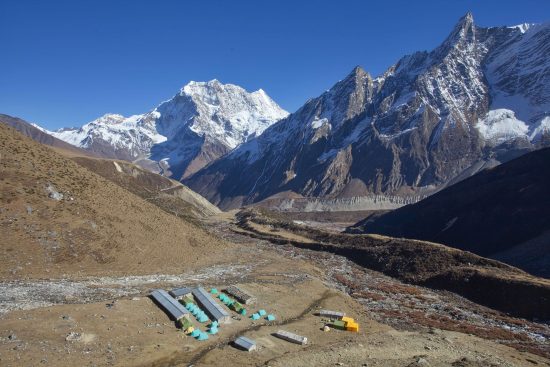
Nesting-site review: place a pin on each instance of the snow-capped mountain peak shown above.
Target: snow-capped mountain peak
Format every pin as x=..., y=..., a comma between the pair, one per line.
x=228, y=112
x=204, y=120
x=524, y=27
x=110, y=118
x=464, y=29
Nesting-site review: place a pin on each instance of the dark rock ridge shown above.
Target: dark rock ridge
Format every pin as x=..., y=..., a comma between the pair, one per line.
x=481, y=98
x=501, y=213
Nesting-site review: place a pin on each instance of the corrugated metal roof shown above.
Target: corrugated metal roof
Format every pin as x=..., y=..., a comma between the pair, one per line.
x=212, y=308
x=180, y=292
x=291, y=337
x=239, y=294
x=333, y=314
x=172, y=307
x=245, y=343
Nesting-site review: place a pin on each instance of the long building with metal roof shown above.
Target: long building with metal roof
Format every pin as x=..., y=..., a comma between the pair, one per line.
x=178, y=293
x=212, y=308
x=172, y=307
x=240, y=295
x=290, y=337
x=332, y=314
x=245, y=343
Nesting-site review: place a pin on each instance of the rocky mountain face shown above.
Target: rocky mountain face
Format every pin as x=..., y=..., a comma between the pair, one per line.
x=502, y=213
x=482, y=97
x=204, y=121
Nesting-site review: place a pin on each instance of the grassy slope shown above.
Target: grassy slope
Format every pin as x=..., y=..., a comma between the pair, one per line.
x=169, y=195
x=97, y=228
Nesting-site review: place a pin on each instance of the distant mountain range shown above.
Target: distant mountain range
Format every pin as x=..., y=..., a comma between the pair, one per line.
x=481, y=98
x=502, y=213
x=201, y=123
x=434, y=118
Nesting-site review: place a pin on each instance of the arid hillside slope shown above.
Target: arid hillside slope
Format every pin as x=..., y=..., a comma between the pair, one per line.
x=57, y=217
x=168, y=194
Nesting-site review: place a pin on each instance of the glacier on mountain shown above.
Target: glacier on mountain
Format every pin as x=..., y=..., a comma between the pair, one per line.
x=501, y=125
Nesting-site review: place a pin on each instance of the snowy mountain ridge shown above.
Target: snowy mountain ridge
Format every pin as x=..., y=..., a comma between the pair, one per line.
x=202, y=122
x=481, y=96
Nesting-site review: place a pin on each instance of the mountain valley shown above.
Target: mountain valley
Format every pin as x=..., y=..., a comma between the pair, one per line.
x=415, y=203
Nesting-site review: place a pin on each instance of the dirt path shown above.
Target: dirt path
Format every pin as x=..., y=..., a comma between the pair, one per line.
x=315, y=304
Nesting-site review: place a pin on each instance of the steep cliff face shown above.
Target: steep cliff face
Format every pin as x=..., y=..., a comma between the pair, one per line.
x=478, y=99
x=198, y=125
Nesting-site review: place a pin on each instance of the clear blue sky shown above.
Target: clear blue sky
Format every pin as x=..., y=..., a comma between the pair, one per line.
x=65, y=63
